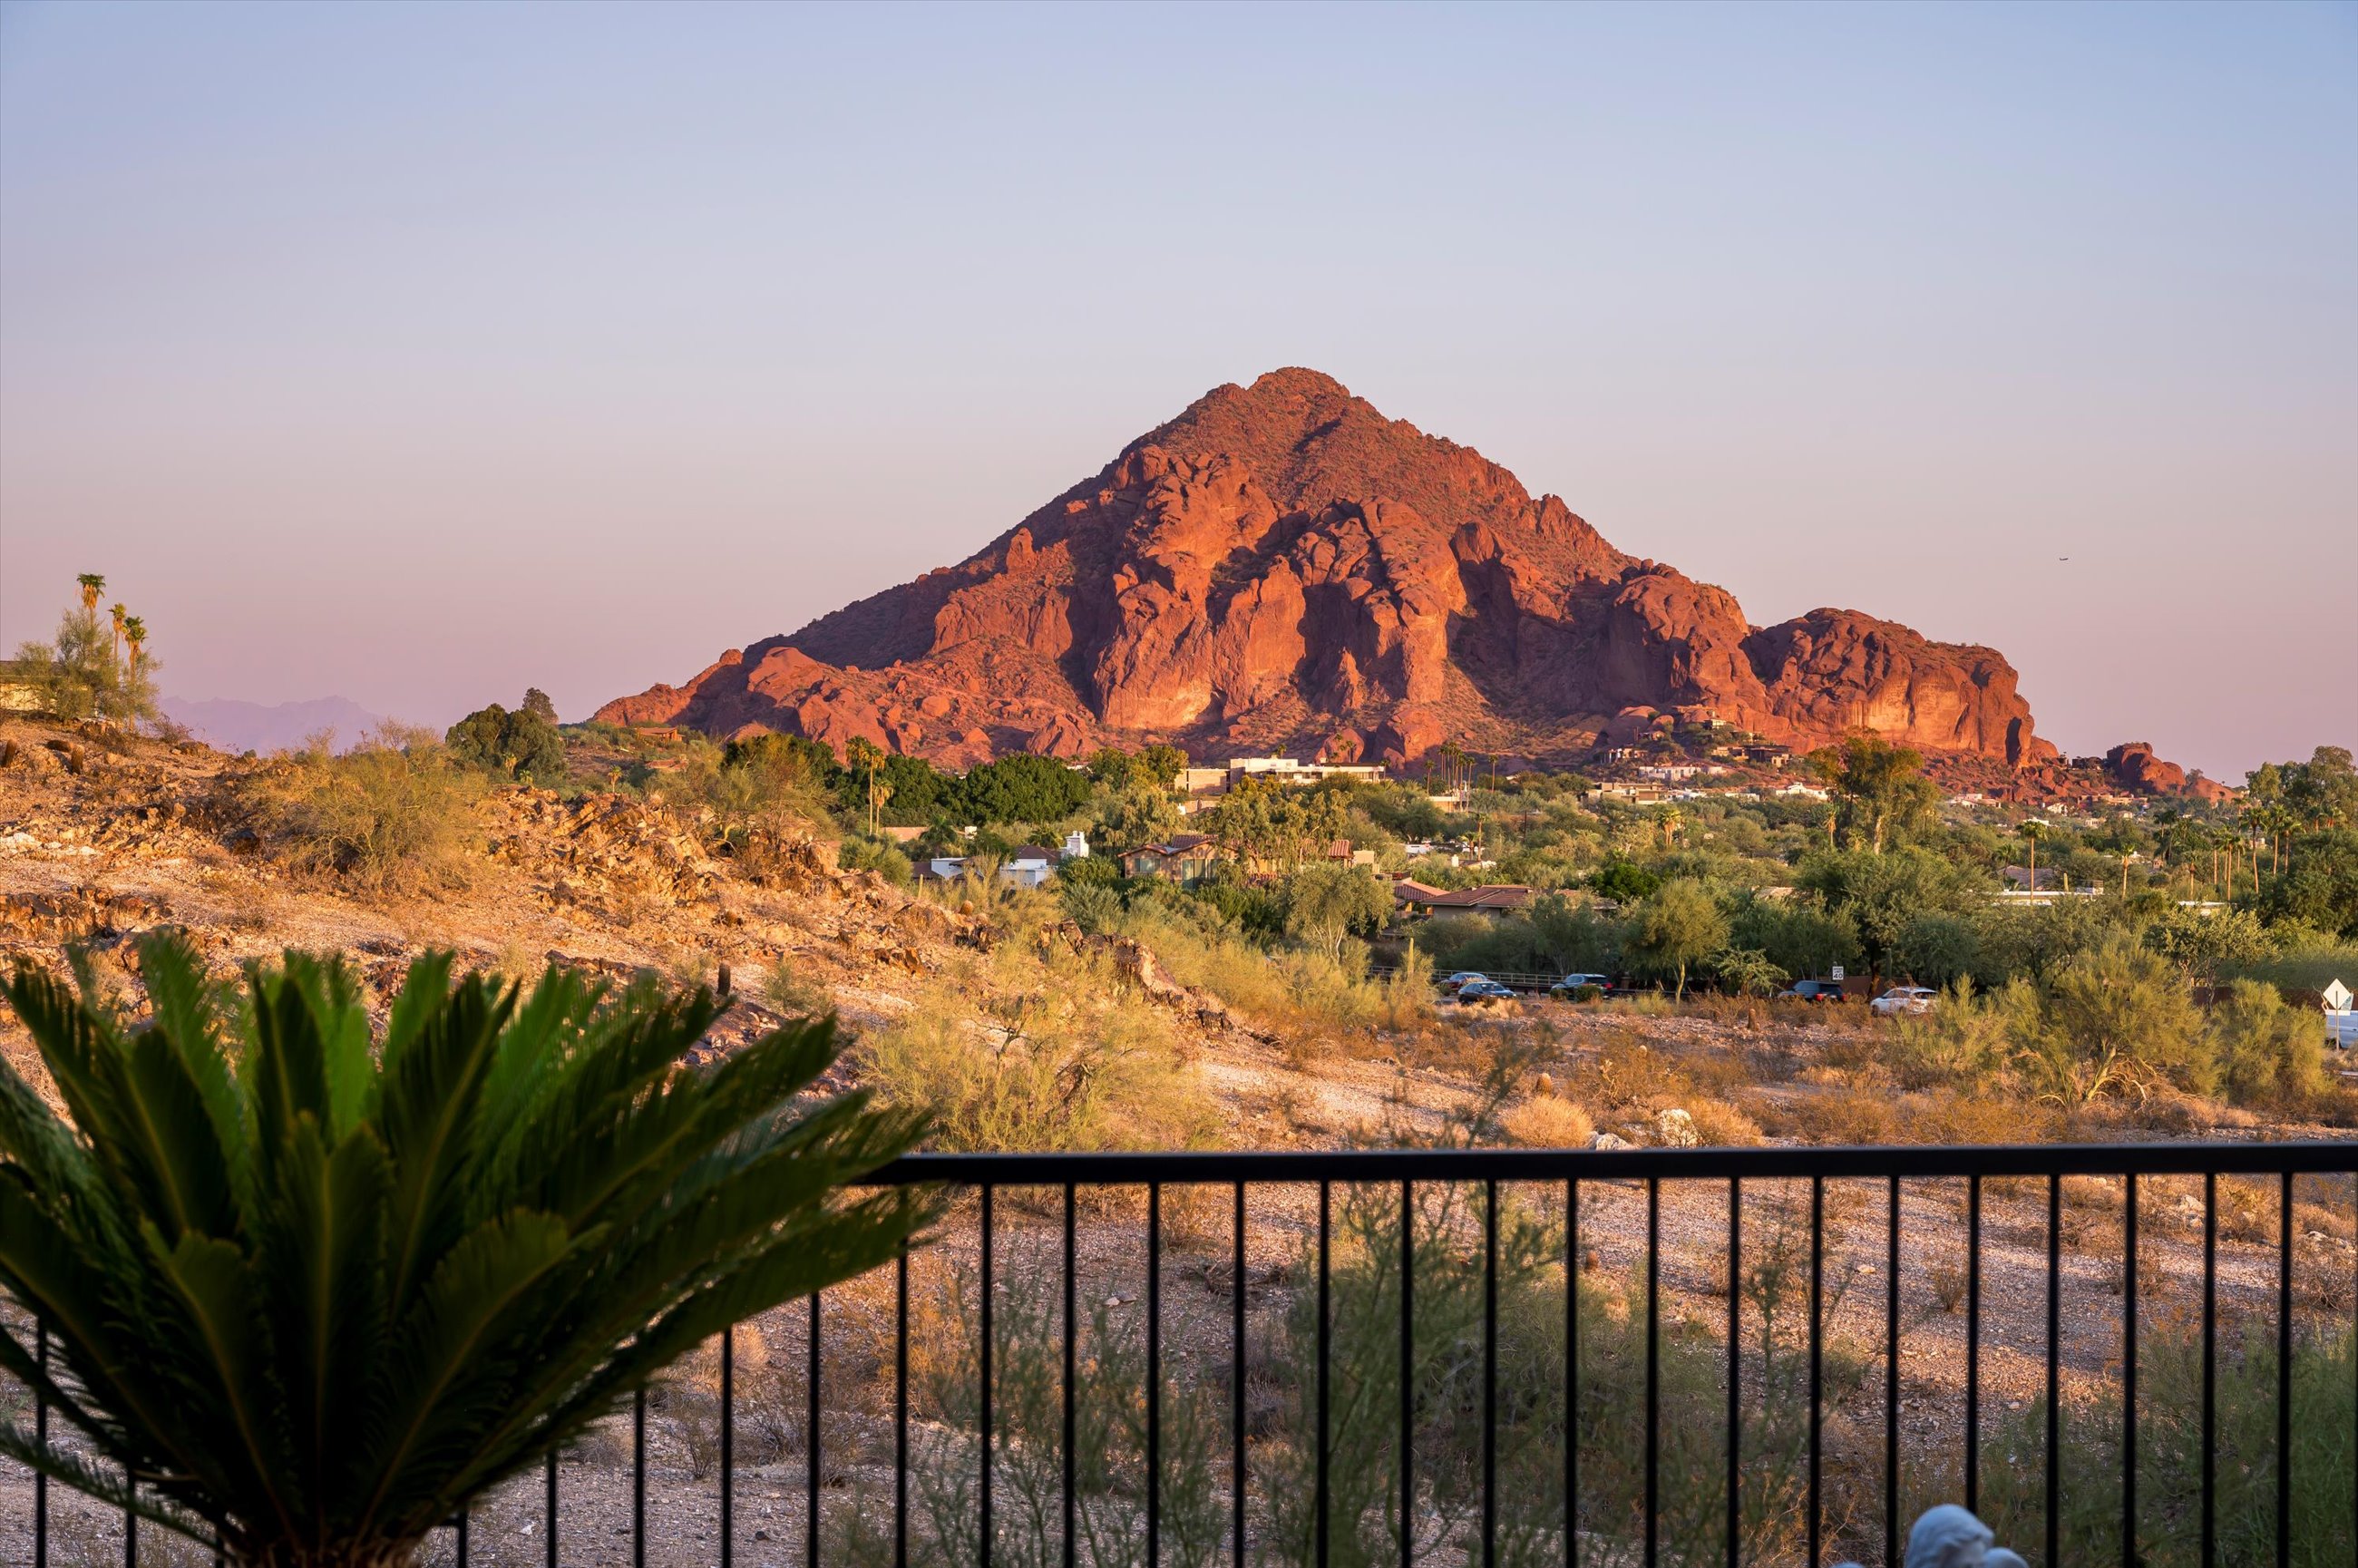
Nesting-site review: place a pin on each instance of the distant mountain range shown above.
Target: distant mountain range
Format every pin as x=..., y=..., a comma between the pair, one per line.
x=230, y=725
x=1283, y=566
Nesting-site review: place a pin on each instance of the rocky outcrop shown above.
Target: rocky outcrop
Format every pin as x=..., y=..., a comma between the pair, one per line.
x=1283, y=566
x=2135, y=768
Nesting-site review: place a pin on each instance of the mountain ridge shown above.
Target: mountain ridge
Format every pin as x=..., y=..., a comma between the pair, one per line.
x=1281, y=566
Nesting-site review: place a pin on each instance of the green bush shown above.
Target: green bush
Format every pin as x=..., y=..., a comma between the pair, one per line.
x=2269, y=1054
x=522, y=745
x=2117, y=1020
x=878, y=854
x=1061, y=1053
x=391, y=815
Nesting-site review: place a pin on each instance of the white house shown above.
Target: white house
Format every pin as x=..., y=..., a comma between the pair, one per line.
x=1028, y=865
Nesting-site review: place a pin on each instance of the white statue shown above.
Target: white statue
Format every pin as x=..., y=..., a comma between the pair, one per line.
x=1949, y=1536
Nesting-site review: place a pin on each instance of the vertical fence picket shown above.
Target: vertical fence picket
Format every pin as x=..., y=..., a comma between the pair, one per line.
x=1237, y=1398
x=727, y=1445
x=2284, y=1374
x=2209, y=1369
x=1067, y=1499
x=2129, y=1373
x=1408, y=1375
x=2054, y=1476
x=1735, y=1367
x=1571, y=1372
x=1972, y=1344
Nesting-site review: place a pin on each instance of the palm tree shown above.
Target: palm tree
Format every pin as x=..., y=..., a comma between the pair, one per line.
x=311, y=1291
x=117, y=610
x=135, y=634
x=92, y=585
x=2032, y=830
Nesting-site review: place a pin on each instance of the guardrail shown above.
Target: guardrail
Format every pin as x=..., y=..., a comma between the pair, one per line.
x=1696, y=1435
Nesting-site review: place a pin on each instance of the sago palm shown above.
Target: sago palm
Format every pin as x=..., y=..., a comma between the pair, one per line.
x=311, y=1291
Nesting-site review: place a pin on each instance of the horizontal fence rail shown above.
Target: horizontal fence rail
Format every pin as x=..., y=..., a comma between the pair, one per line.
x=1359, y=1357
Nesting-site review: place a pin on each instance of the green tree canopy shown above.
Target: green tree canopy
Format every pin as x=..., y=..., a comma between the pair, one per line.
x=1324, y=902
x=521, y=744
x=81, y=672
x=1681, y=924
x=1881, y=788
x=1023, y=788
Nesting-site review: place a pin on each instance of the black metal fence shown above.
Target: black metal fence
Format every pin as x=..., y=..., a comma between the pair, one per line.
x=1356, y=1270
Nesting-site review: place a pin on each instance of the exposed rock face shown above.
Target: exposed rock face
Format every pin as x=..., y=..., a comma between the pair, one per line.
x=2135, y=768
x=1283, y=566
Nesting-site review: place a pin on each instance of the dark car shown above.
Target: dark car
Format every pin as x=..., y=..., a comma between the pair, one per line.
x=1812, y=990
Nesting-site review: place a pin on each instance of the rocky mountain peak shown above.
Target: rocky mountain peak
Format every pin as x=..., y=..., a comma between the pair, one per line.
x=1281, y=566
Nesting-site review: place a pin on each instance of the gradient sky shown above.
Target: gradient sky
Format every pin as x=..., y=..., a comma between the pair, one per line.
x=416, y=353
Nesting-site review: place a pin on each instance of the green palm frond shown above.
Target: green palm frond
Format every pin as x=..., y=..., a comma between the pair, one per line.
x=315, y=1288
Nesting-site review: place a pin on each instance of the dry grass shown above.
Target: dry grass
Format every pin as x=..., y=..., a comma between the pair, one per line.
x=1548, y=1122
x=1720, y=1124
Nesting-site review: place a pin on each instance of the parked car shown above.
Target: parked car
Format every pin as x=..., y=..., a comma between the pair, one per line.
x=1572, y=985
x=1812, y=990
x=1481, y=989
x=1464, y=977
x=1905, y=999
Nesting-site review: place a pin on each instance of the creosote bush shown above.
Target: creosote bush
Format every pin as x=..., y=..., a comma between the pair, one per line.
x=1047, y=1048
x=390, y=816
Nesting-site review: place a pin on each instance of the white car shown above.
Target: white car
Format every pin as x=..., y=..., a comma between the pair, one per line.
x=1905, y=999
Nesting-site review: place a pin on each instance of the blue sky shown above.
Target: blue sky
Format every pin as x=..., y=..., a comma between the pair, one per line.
x=416, y=353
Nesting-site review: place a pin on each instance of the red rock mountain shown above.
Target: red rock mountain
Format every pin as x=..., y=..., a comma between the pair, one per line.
x=1283, y=567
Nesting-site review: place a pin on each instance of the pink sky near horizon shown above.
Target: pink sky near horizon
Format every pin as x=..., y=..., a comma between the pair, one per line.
x=419, y=355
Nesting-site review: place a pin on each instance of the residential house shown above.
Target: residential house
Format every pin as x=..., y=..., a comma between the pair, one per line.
x=1183, y=858
x=1028, y=865
x=1491, y=898
x=1341, y=853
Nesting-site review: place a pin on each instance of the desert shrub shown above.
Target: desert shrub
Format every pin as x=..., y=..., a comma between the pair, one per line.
x=2206, y=945
x=1323, y=904
x=1108, y=1497
x=1093, y=906
x=878, y=854
x=2269, y=1054
x=2169, y=1456
x=767, y=784
x=2117, y=1020
x=1505, y=944
x=1548, y=1122
x=788, y=990
x=1061, y=1055
x=522, y=745
x=1719, y=1124
x=391, y=815
x=1748, y=971
x=2304, y=960
x=1303, y=992
x=1963, y=1039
